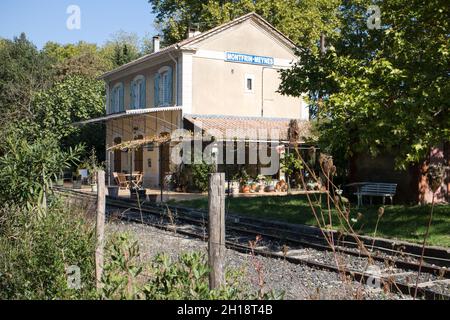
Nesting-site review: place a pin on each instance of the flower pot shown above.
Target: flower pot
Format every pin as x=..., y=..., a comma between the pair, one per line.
x=93, y=187
x=113, y=191
x=245, y=189
x=77, y=184
x=60, y=182
x=152, y=197
x=269, y=189
x=138, y=194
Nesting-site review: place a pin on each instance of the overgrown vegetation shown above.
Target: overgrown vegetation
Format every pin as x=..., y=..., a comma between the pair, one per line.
x=27, y=168
x=36, y=250
x=183, y=278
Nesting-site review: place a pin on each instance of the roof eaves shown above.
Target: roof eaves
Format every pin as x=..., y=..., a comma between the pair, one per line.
x=142, y=59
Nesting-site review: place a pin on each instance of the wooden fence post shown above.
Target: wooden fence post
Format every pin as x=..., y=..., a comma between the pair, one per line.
x=216, y=229
x=100, y=227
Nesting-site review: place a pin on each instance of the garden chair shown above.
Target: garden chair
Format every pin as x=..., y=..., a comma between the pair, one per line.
x=121, y=180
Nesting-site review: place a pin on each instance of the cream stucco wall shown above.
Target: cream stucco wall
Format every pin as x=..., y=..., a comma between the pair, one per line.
x=248, y=37
x=219, y=85
x=223, y=91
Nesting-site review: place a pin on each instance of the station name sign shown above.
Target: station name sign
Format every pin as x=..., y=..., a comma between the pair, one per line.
x=248, y=58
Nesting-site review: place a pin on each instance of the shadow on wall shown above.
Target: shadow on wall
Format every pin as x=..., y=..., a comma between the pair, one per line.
x=412, y=184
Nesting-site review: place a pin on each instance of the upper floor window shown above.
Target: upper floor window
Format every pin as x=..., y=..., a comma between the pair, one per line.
x=137, y=93
x=249, y=83
x=116, y=99
x=163, y=87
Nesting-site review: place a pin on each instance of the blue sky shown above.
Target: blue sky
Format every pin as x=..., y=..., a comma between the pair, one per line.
x=45, y=20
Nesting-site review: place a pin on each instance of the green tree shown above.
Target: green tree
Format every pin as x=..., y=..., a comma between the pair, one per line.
x=74, y=99
x=23, y=71
x=124, y=47
x=383, y=89
x=301, y=21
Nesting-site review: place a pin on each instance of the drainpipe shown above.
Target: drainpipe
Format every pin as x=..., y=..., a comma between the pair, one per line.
x=262, y=91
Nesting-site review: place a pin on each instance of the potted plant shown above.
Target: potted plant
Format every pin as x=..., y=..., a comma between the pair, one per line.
x=93, y=166
x=270, y=187
x=243, y=182
x=60, y=180
x=113, y=191
x=261, y=181
x=138, y=193
x=253, y=187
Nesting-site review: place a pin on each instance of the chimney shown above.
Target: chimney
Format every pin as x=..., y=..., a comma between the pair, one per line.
x=192, y=32
x=156, y=41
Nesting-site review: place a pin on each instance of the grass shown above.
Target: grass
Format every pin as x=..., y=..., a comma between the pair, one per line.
x=400, y=222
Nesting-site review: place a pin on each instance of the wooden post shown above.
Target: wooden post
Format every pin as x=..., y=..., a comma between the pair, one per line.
x=216, y=229
x=100, y=227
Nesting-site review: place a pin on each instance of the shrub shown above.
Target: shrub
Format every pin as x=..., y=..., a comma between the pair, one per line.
x=200, y=173
x=184, y=278
x=36, y=250
x=27, y=168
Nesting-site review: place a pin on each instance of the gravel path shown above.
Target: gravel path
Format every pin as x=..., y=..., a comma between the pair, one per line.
x=296, y=281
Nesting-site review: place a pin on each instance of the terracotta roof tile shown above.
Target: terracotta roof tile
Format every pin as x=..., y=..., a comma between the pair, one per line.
x=253, y=128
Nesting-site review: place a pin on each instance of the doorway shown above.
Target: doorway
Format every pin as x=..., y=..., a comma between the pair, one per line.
x=117, y=156
x=139, y=156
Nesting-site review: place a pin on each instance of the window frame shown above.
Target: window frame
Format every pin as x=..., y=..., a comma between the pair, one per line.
x=115, y=97
x=136, y=104
x=252, y=78
x=163, y=86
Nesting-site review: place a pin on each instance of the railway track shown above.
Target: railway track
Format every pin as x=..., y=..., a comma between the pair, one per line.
x=291, y=244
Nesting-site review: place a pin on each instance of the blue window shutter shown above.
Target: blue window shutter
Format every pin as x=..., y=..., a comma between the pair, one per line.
x=121, y=96
x=156, y=93
x=169, y=87
x=142, y=95
x=132, y=94
x=111, y=101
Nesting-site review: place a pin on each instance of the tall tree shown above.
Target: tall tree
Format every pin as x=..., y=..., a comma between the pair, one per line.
x=23, y=71
x=302, y=21
x=383, y=89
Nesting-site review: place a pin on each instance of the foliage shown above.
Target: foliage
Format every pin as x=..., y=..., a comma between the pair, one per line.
x=74, y=99
x=185, y=278
x=122, y=267
x=124, y=47
x=290, y=164
x=27, y=168
x=35, y=252
x=23, y=71
x=381, y=89
x=301, y=21
x=193, y=177
x=93, y=165
x=81, y=59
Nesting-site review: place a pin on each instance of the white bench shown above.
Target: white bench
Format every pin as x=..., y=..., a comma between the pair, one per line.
x=375, y=189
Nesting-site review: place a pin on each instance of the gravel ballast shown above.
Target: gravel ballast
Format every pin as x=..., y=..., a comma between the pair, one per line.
x=298, y=282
